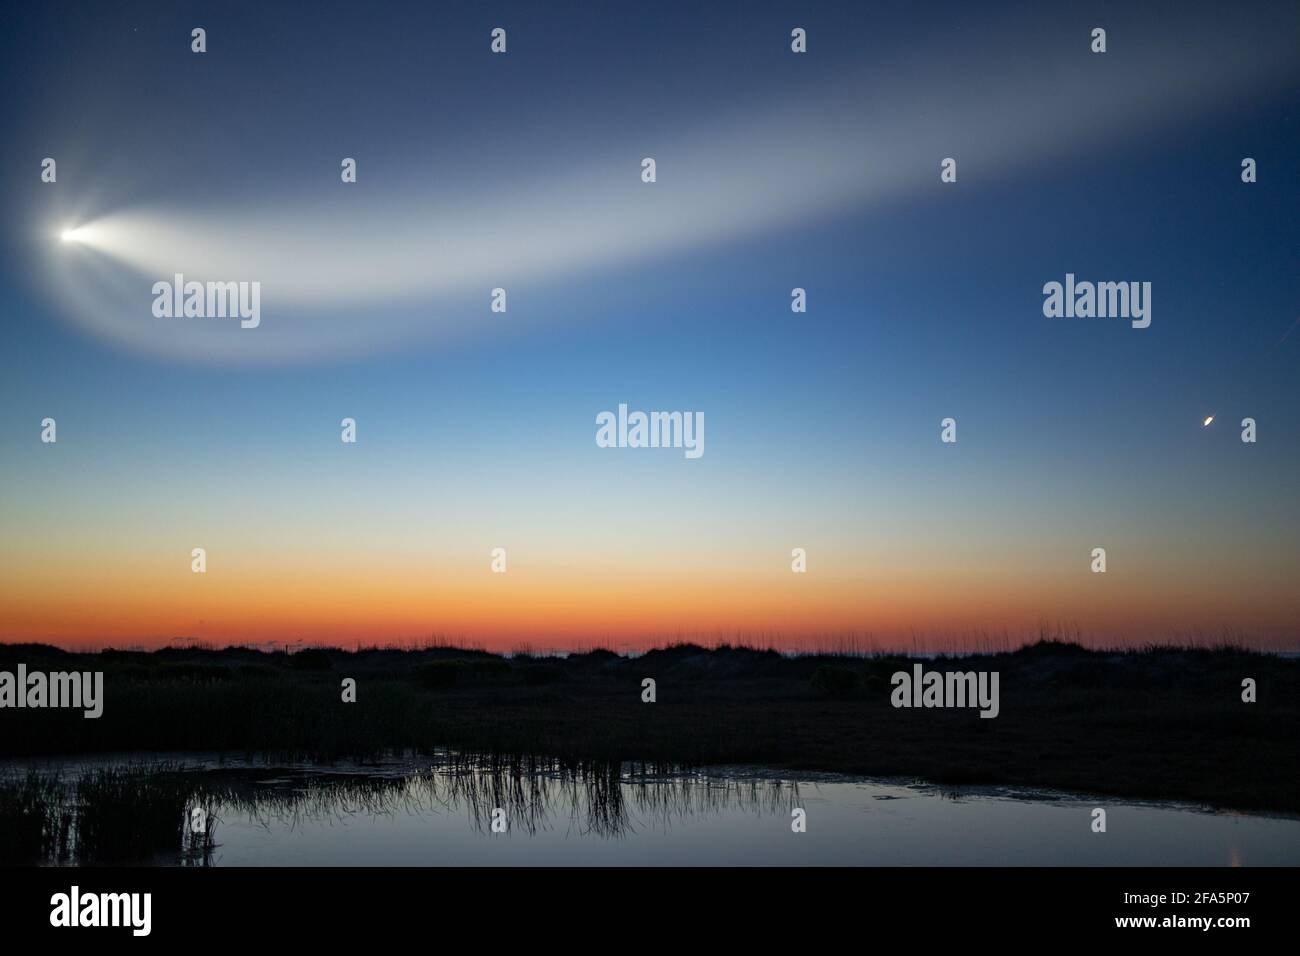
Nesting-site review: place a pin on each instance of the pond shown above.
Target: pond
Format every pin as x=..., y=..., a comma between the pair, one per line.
x=457, y=810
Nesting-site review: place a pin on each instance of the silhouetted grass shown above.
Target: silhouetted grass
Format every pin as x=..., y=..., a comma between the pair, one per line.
x=1158, y=723
x=35, y=819
x=132, y=812
x=139, y=813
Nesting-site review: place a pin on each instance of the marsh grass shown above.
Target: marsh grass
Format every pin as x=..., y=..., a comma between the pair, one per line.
x=36, y=819
x=107, y=815
x=133, y=812
x=138, y=813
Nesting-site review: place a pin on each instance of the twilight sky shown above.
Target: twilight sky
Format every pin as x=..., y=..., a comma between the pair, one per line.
x=775, y=170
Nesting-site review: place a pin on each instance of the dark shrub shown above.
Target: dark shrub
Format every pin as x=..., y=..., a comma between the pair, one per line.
x=193, y=673
x=311, y=659
x=535, y=675
x=490, y=669
x=830, y=680
x=439, y=673
x=256, y=671
x=452, y=673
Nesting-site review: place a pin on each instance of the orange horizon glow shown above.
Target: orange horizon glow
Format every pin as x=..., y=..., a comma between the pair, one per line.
x=633, y=608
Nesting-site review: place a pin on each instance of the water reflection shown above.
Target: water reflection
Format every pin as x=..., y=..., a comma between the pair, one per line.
x=150, y=812
x=588, y=799
x=460, y=809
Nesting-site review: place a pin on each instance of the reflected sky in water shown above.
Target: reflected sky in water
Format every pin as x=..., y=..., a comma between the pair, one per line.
x=440, y=811
x=726, y=818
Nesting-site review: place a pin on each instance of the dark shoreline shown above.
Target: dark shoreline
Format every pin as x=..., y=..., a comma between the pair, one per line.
x=1160, y=724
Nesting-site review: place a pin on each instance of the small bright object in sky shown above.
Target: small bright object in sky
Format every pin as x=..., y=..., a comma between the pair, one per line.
x=70, y=235
x=1207, y=421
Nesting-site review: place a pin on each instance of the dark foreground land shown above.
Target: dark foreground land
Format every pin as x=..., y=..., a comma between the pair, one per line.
x=1161, y=724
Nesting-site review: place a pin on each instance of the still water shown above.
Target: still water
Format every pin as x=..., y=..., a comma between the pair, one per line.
x=443, y=813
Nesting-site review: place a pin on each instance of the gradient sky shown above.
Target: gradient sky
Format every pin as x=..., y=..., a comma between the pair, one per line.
x=476, y=430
